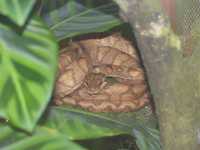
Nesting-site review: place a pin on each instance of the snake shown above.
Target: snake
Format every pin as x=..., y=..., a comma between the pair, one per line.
x=101, y=75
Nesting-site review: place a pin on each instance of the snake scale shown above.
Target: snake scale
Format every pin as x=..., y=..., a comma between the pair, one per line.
x=101, y=75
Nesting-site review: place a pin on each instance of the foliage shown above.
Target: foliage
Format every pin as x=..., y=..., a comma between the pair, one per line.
x=28, y=60
x=28, y=66
x=79, y=19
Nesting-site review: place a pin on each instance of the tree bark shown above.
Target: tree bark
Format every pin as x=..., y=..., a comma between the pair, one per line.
x=174, y=79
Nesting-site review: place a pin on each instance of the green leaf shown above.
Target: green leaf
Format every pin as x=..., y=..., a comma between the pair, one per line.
x=44, y=142
x=9, y=135
x=147, y=140
x=11, y=139
x=65, y=22
x=16, y=10
x=78, y=124
x=27, y=66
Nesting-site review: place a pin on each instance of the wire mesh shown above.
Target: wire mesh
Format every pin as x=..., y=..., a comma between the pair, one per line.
x=185, y=20
x=189, y=12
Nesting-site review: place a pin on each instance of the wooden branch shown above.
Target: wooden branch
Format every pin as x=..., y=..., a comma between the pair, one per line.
x=174, y=79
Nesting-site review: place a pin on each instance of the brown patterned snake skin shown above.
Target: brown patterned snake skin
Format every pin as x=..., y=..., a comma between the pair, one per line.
x=101, y=75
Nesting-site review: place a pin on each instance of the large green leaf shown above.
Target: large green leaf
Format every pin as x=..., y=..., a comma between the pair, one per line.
x=78, y=124
x=27, y=71
x=16, y=10
x=11, y=139
x=73, y=18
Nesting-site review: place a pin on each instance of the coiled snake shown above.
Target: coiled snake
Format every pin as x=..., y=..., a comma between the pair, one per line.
x=101, y=75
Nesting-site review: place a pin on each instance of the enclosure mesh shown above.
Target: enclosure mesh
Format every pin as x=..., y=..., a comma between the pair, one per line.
x=187, y=23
